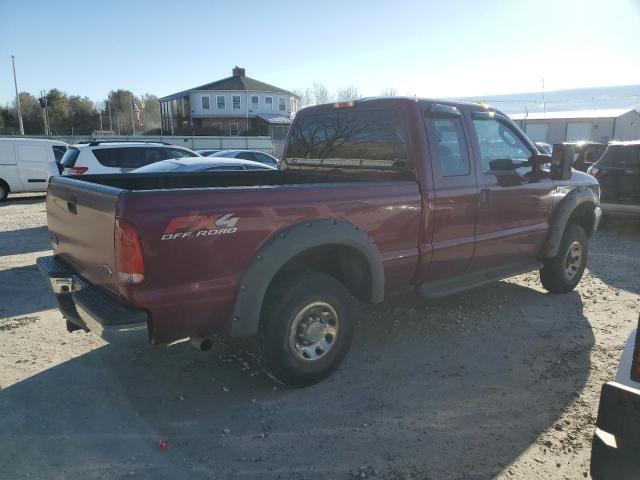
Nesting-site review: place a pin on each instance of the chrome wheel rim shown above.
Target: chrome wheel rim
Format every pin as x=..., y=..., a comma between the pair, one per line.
x=573, y=260
x=313, y=331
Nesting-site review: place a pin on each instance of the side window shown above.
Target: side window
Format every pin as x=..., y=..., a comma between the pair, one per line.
x=500, y=148
x=152, y=155
x=261, y=157
x=131, y=157
x=452, y=147
x=177, y=153
x=246, y=156
x=69, y=158
x=58, y=152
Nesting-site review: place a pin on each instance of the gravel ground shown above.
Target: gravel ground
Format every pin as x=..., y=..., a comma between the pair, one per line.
x=502, y=381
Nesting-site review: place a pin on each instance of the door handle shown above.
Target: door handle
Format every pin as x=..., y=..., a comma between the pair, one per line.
x=484, y=196
x=72, y=205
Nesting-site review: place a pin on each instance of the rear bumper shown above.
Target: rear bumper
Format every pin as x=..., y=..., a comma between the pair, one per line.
x=89, y=308
x=620, y=209
x=616, y=442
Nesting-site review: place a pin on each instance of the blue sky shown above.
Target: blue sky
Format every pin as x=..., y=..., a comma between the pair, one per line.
x=426, y=48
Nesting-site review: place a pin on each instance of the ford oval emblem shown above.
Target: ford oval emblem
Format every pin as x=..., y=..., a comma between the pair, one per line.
x=107, y=270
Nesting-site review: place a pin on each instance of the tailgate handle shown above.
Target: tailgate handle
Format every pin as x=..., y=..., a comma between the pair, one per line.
x=71, y=205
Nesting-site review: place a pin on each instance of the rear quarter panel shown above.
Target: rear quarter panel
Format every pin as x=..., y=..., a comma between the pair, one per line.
x=190, y=283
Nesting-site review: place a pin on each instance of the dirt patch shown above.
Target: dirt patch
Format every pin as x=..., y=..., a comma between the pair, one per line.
x=502, y=381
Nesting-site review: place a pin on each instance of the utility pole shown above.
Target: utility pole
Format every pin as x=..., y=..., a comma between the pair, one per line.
x=133, y=123
x=15, y=83
x=110, y=121
x=46, y=112
x=100, y=113
x=544, y=103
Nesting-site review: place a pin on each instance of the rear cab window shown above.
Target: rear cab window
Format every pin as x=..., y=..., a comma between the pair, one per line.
x=359, y=138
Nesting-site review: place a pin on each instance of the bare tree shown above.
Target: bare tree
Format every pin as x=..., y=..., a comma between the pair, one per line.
x=349, y=93
x=306, y=97
x=388, y=92
x=320, y=93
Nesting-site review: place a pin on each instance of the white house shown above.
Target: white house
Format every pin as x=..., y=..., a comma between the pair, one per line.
x=597, y=125
x=237, y=105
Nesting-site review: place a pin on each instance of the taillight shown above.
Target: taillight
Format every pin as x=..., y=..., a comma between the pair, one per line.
x=77, y=170
x=128, y=253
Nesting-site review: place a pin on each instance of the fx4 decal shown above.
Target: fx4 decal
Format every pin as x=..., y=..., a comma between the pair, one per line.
x=200, y=226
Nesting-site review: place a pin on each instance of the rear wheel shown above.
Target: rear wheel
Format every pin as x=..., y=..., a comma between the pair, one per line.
x=306, y=328
x=562, y=273
x=4, y=191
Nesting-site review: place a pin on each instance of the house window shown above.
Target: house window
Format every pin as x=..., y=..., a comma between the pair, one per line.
x=221, y=102
x=205, y=102
x=236, y=102
x=268, y=103
x=254, y=103
x=233, y=129
x=282, y=105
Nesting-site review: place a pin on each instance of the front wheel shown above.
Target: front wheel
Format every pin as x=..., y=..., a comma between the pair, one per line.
x=562, y=273
x=306, y=328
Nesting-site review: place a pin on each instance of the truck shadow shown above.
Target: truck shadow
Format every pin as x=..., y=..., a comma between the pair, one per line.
x=454, y=389
x=26, y=199
x=619, y=264
x=24, y=292
x=25, y=240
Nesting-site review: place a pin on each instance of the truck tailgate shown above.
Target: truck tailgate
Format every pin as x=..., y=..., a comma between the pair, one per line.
x=81, y=219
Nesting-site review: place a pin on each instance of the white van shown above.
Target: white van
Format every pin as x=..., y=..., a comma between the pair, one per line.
x=26, y=164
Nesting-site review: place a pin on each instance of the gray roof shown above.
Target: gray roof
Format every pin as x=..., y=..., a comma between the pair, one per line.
x=275, y=118
x=235, y=82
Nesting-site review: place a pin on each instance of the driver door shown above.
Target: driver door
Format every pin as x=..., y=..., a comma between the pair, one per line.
x=515, y=198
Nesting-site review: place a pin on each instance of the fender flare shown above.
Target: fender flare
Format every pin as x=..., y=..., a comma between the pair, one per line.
x=576, y=197
x=284, y=246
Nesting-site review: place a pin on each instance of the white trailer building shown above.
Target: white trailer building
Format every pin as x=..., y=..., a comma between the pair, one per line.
x=596, y=125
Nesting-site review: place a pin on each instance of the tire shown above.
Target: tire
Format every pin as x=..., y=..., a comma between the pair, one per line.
x=4, y=191
x=562, y=273
x=306, y=328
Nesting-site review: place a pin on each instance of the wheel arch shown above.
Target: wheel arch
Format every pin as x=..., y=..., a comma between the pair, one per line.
x=331, y=246
x=577, y=207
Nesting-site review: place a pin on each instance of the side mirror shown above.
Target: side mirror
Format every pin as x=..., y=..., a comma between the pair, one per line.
x=540, y=159
x=502, y=164
x=561, y=161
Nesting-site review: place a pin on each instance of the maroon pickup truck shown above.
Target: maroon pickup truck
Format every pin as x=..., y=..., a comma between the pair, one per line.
x=372, y=197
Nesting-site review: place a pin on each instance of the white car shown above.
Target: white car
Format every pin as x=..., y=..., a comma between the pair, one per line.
x=26, y=164
x=253, y=155
x=118, y=157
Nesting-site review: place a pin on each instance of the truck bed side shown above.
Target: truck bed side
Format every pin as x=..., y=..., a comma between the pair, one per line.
x=191, y=281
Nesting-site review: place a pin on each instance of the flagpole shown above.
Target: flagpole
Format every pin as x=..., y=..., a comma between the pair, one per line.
x=133, y=123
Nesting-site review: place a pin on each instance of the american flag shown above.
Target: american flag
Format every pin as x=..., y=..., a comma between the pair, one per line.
x=136, y=112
